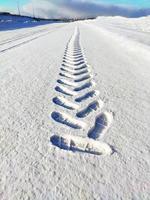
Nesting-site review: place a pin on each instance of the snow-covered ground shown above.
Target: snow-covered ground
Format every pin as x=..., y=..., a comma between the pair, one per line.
x=138, y=29
x=75, y=110
x=11, y=22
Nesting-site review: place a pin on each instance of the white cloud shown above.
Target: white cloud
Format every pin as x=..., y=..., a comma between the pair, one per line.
x=41, y=8
x=51, y=9
x=76, y=8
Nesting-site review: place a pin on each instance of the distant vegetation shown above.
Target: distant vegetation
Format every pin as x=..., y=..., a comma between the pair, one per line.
x=41, y=19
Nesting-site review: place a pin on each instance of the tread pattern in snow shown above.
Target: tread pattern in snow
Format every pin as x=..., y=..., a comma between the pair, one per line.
x=76, y=83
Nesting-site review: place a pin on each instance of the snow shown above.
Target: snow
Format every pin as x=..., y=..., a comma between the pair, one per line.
x=137, y=28
x=46, y=150
x=74, y=143
x=11, y=22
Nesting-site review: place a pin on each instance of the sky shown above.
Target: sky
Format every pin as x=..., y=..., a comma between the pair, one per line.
x=77, y=8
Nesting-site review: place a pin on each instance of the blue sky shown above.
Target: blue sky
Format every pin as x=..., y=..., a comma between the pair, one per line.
x=11, y=3
x=77, y=8
x=133, y=3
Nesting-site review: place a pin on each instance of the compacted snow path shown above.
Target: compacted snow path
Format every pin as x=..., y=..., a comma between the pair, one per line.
x=74, y=125
x=24, y=38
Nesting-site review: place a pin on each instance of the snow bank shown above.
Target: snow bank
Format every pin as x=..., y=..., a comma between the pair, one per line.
x=139, y=24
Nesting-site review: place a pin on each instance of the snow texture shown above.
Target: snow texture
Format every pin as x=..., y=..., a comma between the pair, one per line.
x=75, y=110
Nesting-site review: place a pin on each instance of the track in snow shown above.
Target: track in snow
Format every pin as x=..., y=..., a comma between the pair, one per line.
x=76, y=83
x=24, y=39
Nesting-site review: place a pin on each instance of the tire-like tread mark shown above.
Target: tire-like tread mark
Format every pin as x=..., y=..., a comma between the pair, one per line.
x=80, y=144
x=83, y=66
x=67, y=120
x=102, y=124
x=95, y=105
x=75, y=70
x=66, y=69
x=84, y=86
x=67, y=75
x=74, y=47
x=85, y=77
x=90, y=94
x=75, y=73
x=65, y=103
x=73, y=54
x=73, y=59
x=85, y=71
x=75, y=63
x=70, y=57
x=66, y=82
x=73, y=77
x=65, y=91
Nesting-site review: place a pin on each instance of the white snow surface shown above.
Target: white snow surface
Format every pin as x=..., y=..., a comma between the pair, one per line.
x=117, y=51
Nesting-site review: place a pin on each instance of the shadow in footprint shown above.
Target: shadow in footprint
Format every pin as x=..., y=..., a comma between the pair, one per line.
x=66, y=70
x=79, y=63
x=86, y=85
x=102, y=124
x=83, y=66
x=83, y=78
x=66, y=75
x=64, y=103
x=64, y=91
x=81, y=73
x=90, y=108
x=79, y=144
x=86, y=96
x=66, y=82
x=74, y=57
x=73, y=50
x=73, y=54
x=72, y=71
x=66, y=120
x=73, y=60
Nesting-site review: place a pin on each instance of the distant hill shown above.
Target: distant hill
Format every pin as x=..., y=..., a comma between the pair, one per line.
x=10, y=21
x=8, y=17
x=4, y=16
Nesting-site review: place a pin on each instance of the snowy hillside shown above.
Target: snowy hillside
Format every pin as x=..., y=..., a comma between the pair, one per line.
x=9, y=21
x=137, y=24
x=74, y=110
x=6, y=17
x=136, y=29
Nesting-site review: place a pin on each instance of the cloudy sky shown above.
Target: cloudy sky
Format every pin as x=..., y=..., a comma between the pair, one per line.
x=77, y=8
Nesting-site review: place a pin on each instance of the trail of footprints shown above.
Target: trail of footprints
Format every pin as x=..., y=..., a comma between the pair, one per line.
x=76, y=93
